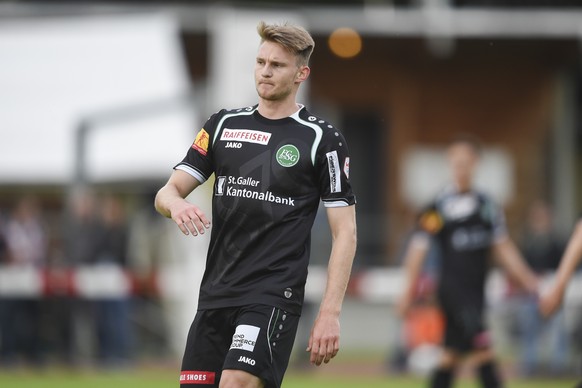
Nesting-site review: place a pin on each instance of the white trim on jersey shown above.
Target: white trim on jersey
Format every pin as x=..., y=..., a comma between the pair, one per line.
x=268, y=331
x=241, y=112
x=315, y=127
x=191, y=171
x=336, y=203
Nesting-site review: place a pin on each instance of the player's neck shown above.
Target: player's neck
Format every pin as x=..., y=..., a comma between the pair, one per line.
x=275, y=110
x=463, y=187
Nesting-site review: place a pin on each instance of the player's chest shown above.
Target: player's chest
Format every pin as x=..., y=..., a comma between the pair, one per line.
x=276, y=149
x=266, y=158
x=471, y=233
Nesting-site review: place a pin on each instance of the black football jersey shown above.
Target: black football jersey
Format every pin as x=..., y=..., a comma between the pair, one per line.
x=269, y=178
x=464, y=226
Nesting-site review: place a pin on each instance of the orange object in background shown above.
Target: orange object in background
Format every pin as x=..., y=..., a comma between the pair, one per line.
x=424, y=325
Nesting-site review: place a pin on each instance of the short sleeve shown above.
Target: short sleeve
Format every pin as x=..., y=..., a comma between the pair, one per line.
x=498, y=225
x=429, y=221
x=428, y=224
x=333, y=168
x=198, y=161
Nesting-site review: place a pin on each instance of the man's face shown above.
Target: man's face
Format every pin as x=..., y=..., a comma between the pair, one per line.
x=277, y=74
x=462, y=160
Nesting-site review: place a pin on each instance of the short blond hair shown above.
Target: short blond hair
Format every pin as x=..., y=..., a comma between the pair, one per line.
x=292, y=37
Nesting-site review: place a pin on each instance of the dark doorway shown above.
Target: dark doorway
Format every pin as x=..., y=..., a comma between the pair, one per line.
x=366, y=134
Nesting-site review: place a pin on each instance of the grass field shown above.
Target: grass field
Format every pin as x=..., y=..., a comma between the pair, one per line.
x=165, y=378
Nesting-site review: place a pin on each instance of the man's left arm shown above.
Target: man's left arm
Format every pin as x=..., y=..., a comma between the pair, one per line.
x=324, y=341
x=512, y=261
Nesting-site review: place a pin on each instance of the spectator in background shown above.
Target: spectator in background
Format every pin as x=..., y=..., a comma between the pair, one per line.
x=3, y=242
x=148, y=253
x=79, y=248
x=4, y=305
x=26, y=241
x=542, y=250
x=25, y=235
x=113, y=313
x=80, y=230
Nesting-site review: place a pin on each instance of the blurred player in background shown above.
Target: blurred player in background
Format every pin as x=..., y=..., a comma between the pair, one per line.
x=273, y=163
x=466, y=226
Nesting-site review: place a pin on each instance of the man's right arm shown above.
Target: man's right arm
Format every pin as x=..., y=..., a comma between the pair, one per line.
x=428, y=225
x=552, y=300
x=171, y=203
x=413, y=263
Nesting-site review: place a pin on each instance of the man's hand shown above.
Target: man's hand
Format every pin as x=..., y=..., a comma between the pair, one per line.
x=189, y=218
x=551, y=301
x=171, y=203
x=325, y=338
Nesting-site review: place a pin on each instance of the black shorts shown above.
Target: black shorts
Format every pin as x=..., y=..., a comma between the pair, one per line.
x=257, y=339
x=465, y=328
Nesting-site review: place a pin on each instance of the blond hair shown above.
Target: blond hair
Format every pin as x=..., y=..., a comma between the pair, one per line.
x=293, y=38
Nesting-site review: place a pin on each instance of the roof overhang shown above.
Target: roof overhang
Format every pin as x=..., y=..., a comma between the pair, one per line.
x=370, y=20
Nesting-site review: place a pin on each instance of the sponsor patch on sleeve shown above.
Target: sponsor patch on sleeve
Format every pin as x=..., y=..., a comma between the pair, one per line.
x=335, y=183
x=431, y=222
x=347, y=167
x=201, y=142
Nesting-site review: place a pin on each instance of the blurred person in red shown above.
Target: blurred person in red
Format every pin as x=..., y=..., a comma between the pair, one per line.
x=467, y=226
x=26, y=240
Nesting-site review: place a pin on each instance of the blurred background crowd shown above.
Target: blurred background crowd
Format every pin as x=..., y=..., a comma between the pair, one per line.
x=98, y=100
x=58, y=317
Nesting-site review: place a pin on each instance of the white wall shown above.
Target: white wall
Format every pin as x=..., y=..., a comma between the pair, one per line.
x=55, y=71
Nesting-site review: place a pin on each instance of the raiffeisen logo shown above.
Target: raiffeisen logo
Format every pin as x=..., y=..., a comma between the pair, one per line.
x=245, y=136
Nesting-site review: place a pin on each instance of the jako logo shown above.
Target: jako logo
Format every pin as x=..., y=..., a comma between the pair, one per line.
x=246, y=360
x=233, y=144
x=288, y=155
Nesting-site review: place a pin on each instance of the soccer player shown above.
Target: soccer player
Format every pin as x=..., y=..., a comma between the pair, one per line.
x=272, y=162
x=466, y=226
x=550, y=301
